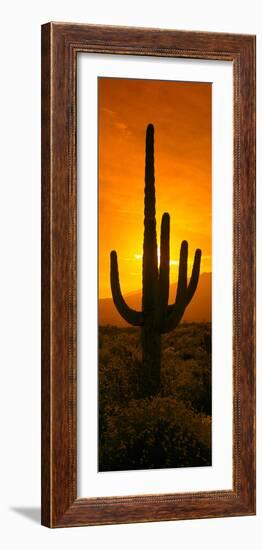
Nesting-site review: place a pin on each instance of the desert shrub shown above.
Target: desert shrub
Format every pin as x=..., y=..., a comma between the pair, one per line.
x=187, y=380
x=172, y=429
x=186, y=366
x=160, y=432
x=119, y=378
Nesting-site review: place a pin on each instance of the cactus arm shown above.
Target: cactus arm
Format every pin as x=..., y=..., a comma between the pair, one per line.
x=182, y=273
x=176, y=310
x=184, y=293
x=163, y=281
x=195, y=276
x=130, y=315
x=174, y=315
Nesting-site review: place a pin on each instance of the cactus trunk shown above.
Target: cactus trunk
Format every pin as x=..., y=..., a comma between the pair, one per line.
x=151, y=344
x=156, y=317
x=151, y=360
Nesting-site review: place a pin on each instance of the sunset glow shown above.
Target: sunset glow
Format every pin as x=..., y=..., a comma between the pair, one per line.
x=181, y=114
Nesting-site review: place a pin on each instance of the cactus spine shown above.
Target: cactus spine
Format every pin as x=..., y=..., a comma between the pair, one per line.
x=156, y=317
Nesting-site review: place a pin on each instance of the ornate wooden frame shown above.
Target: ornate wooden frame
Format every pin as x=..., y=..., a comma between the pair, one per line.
x=60, y=44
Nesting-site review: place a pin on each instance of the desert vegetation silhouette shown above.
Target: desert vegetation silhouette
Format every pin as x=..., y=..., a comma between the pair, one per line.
x=157, y=316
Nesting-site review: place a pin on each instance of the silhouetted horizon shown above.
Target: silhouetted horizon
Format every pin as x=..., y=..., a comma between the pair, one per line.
x=199, y=310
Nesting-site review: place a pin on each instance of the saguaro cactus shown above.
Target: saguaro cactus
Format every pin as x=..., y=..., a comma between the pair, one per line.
x=157, y=316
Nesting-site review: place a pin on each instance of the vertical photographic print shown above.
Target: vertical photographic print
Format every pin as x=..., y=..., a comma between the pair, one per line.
x=154, y=274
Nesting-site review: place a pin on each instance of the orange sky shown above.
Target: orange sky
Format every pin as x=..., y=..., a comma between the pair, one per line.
x=181, y=114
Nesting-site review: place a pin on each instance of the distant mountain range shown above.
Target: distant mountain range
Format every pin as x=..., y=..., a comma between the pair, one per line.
x=199, y=309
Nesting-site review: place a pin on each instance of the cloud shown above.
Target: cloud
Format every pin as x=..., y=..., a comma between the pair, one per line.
x=109, y=112
x=121, y=125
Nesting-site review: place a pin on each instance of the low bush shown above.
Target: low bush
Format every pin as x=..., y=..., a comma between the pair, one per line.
x=172, y=429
